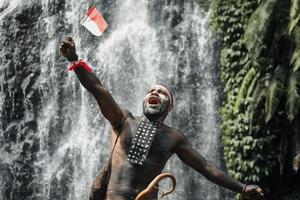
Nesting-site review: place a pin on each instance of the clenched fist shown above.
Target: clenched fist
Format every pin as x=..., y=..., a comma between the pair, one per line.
x=252, y=192
x=67, y=49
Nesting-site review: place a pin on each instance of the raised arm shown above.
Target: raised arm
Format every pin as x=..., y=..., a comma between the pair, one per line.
x=193, y=159
x=109, y=108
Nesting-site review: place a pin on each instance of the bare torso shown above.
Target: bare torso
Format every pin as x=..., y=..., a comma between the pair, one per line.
x=158, y=102
x=129, y=179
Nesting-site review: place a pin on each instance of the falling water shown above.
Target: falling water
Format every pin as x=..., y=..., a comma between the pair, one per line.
x=53, y=138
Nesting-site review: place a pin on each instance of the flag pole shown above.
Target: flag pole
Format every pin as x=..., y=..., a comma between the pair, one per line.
x=73, y=35
x=77, y=29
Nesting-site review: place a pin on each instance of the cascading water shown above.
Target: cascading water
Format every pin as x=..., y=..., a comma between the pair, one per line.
x=53, y=138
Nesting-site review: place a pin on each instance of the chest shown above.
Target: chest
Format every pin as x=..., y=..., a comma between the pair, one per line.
x=160, y=146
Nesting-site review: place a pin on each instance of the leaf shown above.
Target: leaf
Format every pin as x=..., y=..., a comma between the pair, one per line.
x=252, y=86
x=257, y=97
x=294, y=15
x=293, y=98
x=275, y=92
x=244, y=87
x=295, y=60
x=258, y=26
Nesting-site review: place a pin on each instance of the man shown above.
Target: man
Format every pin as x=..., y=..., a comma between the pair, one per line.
x=145, y=143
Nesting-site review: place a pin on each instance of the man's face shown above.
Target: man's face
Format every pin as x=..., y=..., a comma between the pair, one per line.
x=156, y=103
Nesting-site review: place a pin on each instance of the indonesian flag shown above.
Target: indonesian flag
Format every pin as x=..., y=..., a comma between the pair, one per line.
x=94, y=21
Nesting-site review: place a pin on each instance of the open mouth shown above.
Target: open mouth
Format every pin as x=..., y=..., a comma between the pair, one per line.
x=153, y=101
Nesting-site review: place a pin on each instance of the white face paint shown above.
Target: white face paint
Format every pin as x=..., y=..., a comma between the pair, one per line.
x=156, y=103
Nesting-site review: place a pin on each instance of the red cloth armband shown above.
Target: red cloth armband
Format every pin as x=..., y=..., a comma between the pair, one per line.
x=80, y=63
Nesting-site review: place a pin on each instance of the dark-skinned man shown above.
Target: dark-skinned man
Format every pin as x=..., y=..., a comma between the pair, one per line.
x=145, y=143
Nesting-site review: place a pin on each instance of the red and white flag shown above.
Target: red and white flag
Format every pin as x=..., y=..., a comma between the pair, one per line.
x=94, y=21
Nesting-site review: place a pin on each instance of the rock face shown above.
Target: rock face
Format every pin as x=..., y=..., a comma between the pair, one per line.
x=53, y=138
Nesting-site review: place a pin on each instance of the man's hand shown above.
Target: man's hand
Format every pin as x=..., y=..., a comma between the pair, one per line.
x=252, y=192
x=67, y=49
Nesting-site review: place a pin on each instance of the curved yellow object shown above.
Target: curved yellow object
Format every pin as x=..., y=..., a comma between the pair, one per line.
x=152, y=186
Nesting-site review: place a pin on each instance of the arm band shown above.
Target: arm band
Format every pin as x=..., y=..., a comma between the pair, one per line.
x=80, y=63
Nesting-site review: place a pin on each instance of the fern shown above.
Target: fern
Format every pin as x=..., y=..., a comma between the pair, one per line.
x=293, y=101
x=258, y=26
x=252, y=86
x=295, y=60
x=244, y=88
x=293, y=98
x=260, y=34
x=275, y=92
x=258, y=96
x=294, y=15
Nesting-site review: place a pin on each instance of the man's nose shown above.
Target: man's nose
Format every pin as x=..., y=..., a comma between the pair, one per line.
x=154, y=93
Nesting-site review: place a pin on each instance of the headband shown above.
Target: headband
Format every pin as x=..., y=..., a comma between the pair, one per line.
x=169, y=93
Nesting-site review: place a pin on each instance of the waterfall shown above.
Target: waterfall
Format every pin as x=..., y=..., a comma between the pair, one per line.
x=53, y=137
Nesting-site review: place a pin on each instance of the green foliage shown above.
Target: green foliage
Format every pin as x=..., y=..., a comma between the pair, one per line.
x=293, y=101
x=244, y=88
x=260, y=72
x=258, y=26
x=275, y=92
x=256, y=102
x=294, y=14
x=244, y=150
x=295, y=60
x=293, y=98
